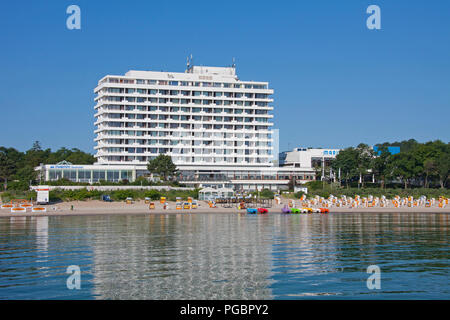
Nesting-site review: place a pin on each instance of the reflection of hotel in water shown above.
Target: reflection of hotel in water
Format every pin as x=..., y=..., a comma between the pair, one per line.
x=183, y=257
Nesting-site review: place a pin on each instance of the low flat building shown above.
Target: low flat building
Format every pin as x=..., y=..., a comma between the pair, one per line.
x=88, y=173
x=248, y=179
x=307, y=157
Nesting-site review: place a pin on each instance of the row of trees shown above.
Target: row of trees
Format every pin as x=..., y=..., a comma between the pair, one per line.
x=17, y=168
x=419, y=164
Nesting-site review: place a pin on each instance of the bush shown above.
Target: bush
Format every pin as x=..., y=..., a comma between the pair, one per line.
x=266, y=194
x=120, y=195
x=299, y=194
x=18, y=185
x=314, y=185
x=152, y=194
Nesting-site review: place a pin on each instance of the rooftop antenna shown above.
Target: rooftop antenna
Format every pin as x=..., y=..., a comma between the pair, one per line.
x=234, y=63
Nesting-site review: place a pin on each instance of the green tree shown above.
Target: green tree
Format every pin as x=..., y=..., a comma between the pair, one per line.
x=380, y=164
x=402, y=167
x=163, y=166
x=443, y=168
x=364, y=159
x=7, y=166
x=347, y=162
x=430, y=169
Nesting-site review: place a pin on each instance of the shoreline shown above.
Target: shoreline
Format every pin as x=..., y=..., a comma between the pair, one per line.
x=96, y=207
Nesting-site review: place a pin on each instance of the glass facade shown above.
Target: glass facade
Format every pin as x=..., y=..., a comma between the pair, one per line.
x=90, y=175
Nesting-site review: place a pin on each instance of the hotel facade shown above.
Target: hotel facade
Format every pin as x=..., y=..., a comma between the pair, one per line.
x=216, y=128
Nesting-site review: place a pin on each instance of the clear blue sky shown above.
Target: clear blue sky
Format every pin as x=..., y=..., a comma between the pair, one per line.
x=336, y=82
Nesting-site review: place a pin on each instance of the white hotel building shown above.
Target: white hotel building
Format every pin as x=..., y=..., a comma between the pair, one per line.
x=216, y=127
x=204, y=117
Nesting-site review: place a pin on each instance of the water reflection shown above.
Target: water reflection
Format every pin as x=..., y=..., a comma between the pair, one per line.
x=225, y=256
x=183, y=257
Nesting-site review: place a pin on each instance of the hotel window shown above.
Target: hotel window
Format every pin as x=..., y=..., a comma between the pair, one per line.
x=98, y=175
x=113, y=175
x=195, y=110
x=197, y=101
x=218, y=102
x=151, y=81
x=173, y=83
x=196, y=93
x=174, y=92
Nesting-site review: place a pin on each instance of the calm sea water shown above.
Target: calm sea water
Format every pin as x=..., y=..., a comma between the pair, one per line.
x=226, y=256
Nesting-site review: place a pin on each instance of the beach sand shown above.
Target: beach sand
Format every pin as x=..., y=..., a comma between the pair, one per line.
x=97, y=207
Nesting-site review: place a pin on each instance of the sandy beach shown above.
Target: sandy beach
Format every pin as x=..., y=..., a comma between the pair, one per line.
x=96, y=207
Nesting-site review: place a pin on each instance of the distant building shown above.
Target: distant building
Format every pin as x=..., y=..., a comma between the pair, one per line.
x=391, y=150
x=307, y=157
